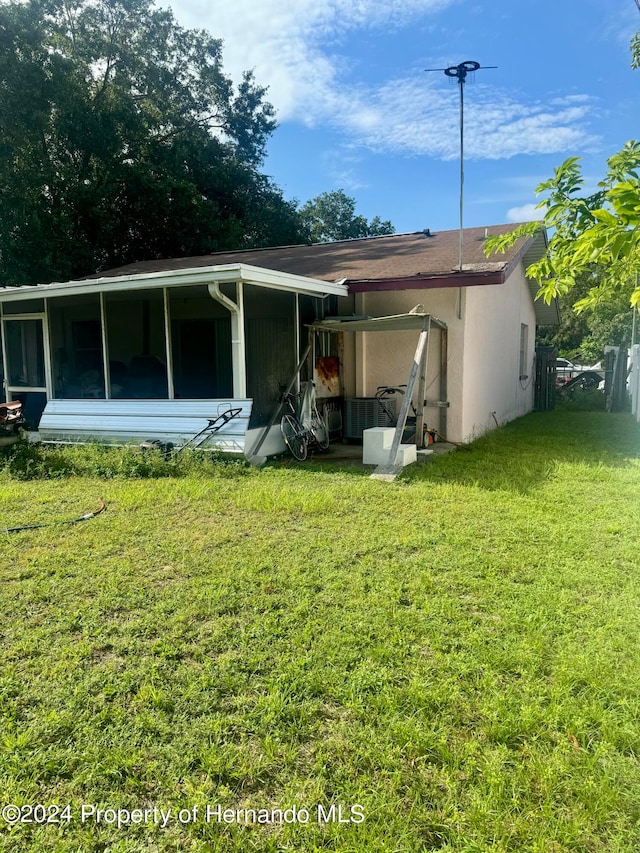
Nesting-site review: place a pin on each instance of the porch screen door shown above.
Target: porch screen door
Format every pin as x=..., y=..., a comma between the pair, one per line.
x=26, y=366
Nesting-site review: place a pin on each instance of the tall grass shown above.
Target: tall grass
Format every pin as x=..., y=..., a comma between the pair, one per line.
x=30, y=461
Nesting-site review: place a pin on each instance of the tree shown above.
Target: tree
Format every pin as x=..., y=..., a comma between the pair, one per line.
x=332, y=216
x=121, y=139
x=599, y=232
x=582, y=336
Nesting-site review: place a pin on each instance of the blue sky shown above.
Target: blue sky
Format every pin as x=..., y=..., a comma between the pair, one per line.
x=357, y=110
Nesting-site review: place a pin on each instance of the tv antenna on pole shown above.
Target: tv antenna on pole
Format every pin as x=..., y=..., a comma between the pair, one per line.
x=460, y=73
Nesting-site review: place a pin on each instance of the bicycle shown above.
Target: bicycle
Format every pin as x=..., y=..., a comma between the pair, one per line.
x=303, y=425
x=389, y=392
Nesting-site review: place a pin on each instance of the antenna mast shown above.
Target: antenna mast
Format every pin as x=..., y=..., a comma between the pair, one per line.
x=460, y=73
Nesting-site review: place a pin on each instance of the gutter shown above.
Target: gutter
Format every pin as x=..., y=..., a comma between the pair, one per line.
x=428, y=282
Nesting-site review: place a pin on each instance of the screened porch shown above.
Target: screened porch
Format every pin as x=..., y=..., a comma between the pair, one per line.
x=214, y=334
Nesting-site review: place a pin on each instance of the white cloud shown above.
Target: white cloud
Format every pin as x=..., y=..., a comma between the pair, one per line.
x=421, y=119
x=301, y=52
x=343, y=168
x=526, y=213
x=568, y=100
x=287, y=44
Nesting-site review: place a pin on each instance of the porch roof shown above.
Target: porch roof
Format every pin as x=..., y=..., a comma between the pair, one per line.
x=217, y=273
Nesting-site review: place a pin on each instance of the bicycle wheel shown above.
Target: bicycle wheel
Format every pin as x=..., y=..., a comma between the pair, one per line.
x=294, y=437
x=318, y=430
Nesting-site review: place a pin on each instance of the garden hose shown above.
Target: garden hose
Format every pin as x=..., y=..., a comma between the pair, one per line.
x=84, y=517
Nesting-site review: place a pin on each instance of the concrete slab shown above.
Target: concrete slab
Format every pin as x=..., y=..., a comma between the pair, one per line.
x=349, y=455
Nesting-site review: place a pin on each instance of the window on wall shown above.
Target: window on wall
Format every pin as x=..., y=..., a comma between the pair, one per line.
x=524, y=348
x=25, y=353
x=23, y=306
x=76, y=347
x=24, y=341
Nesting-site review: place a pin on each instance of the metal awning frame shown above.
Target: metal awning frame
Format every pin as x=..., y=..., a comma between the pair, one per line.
x=415, y=320
x=220, y=274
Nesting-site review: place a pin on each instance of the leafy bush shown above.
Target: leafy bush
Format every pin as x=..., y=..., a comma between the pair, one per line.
x=590, y=400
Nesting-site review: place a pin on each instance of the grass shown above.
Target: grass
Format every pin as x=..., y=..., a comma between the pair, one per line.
x=456, y=651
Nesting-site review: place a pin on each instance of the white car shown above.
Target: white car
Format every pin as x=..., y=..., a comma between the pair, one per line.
x=565, y=370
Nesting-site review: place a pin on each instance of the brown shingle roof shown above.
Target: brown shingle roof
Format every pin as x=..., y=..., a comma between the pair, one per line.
x=374, y=258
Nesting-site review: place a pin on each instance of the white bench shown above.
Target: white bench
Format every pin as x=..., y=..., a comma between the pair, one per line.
x=136, y=421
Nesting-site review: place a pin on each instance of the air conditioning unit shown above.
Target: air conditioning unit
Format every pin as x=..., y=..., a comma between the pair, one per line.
x=362, y=413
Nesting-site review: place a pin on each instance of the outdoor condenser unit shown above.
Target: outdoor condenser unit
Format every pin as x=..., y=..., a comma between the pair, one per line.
x=362, y=413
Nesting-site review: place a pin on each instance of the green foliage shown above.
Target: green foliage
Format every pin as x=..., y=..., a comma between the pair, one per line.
x=121, y=139
x=27, y=461
x=600, y=231
x=582, y=336
x=332, y=216
x=590, y=400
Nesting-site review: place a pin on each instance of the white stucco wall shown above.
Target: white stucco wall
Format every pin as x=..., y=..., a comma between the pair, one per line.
x=493, y=319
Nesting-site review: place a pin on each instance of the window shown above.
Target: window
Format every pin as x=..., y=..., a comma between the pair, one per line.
x=25, y=353
x=524, y=347
x=201, y=345
x=270, y=335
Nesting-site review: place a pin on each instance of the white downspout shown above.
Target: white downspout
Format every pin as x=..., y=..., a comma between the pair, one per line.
x=238, y=359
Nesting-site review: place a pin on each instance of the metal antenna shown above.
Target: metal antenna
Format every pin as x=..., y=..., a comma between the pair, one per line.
x=460, y=73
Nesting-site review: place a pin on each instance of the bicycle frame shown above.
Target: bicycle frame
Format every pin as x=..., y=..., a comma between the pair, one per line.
x=302, y=424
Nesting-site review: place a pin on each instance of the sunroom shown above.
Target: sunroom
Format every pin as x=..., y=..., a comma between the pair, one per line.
x=156, y=355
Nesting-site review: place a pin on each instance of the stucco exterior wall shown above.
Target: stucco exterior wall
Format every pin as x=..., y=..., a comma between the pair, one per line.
x=494, y=390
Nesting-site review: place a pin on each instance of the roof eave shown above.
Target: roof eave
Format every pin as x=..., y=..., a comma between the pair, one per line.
x=428, y=282
x=179, y=278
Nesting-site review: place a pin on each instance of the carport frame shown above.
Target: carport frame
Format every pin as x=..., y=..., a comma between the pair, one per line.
x=415, y=320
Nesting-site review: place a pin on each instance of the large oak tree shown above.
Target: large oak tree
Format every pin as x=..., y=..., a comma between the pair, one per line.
x=122, y=139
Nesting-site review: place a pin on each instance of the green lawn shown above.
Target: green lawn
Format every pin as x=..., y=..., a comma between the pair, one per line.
x=455, y=652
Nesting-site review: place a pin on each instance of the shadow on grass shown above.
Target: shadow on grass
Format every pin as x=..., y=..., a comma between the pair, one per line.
x=322, y=463
x=525, y=453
